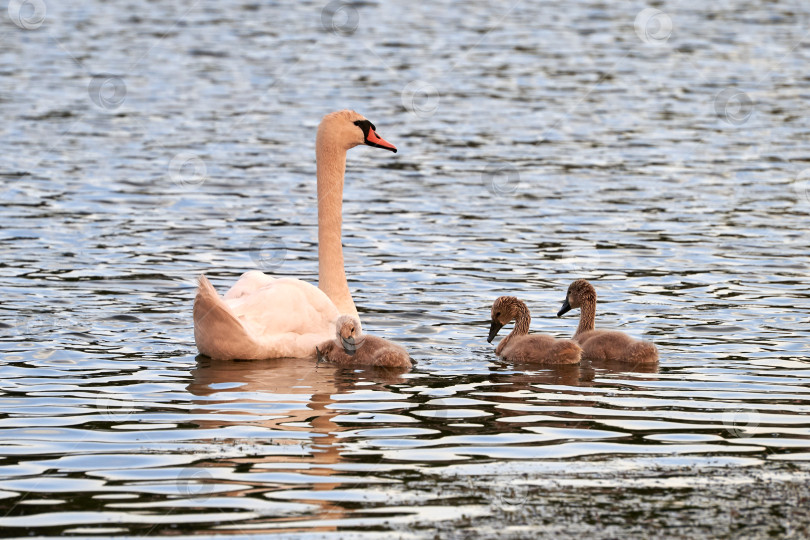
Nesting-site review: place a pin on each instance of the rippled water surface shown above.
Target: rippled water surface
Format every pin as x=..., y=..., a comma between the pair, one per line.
x=660, y=154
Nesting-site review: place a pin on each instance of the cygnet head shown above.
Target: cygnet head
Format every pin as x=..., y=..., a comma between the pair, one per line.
x=349, y=333
x=504, y=310
x=579, y=292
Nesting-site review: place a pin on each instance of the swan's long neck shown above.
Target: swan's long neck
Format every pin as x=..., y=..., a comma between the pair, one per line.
x=331, y=162
x=587, y=316
x=523, y=320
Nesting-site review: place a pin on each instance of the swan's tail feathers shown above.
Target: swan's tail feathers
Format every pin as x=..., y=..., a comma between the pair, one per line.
x=204, y=288
x=642, y=352
x=566, y=351
x=217, y=332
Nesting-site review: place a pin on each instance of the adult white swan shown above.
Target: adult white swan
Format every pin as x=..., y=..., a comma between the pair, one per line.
x=266, y=317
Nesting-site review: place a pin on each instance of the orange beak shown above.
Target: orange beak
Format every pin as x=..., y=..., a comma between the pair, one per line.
x=372, y=139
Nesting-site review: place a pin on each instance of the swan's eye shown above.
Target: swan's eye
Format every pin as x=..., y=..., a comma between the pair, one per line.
x=498, y=314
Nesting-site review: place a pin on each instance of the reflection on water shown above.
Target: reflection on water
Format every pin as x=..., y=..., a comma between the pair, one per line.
x=652, y=152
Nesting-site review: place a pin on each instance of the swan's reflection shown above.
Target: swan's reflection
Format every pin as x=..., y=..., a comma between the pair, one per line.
x=290, y=395
x=294, y=396
x=299, y=394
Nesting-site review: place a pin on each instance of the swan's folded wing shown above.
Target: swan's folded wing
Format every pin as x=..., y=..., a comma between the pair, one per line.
x=285, y=318
x=248, y=283
x=285, y=305
x=288, y=317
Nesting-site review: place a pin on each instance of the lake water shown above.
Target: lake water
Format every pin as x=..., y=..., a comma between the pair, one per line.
x=660, y=154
